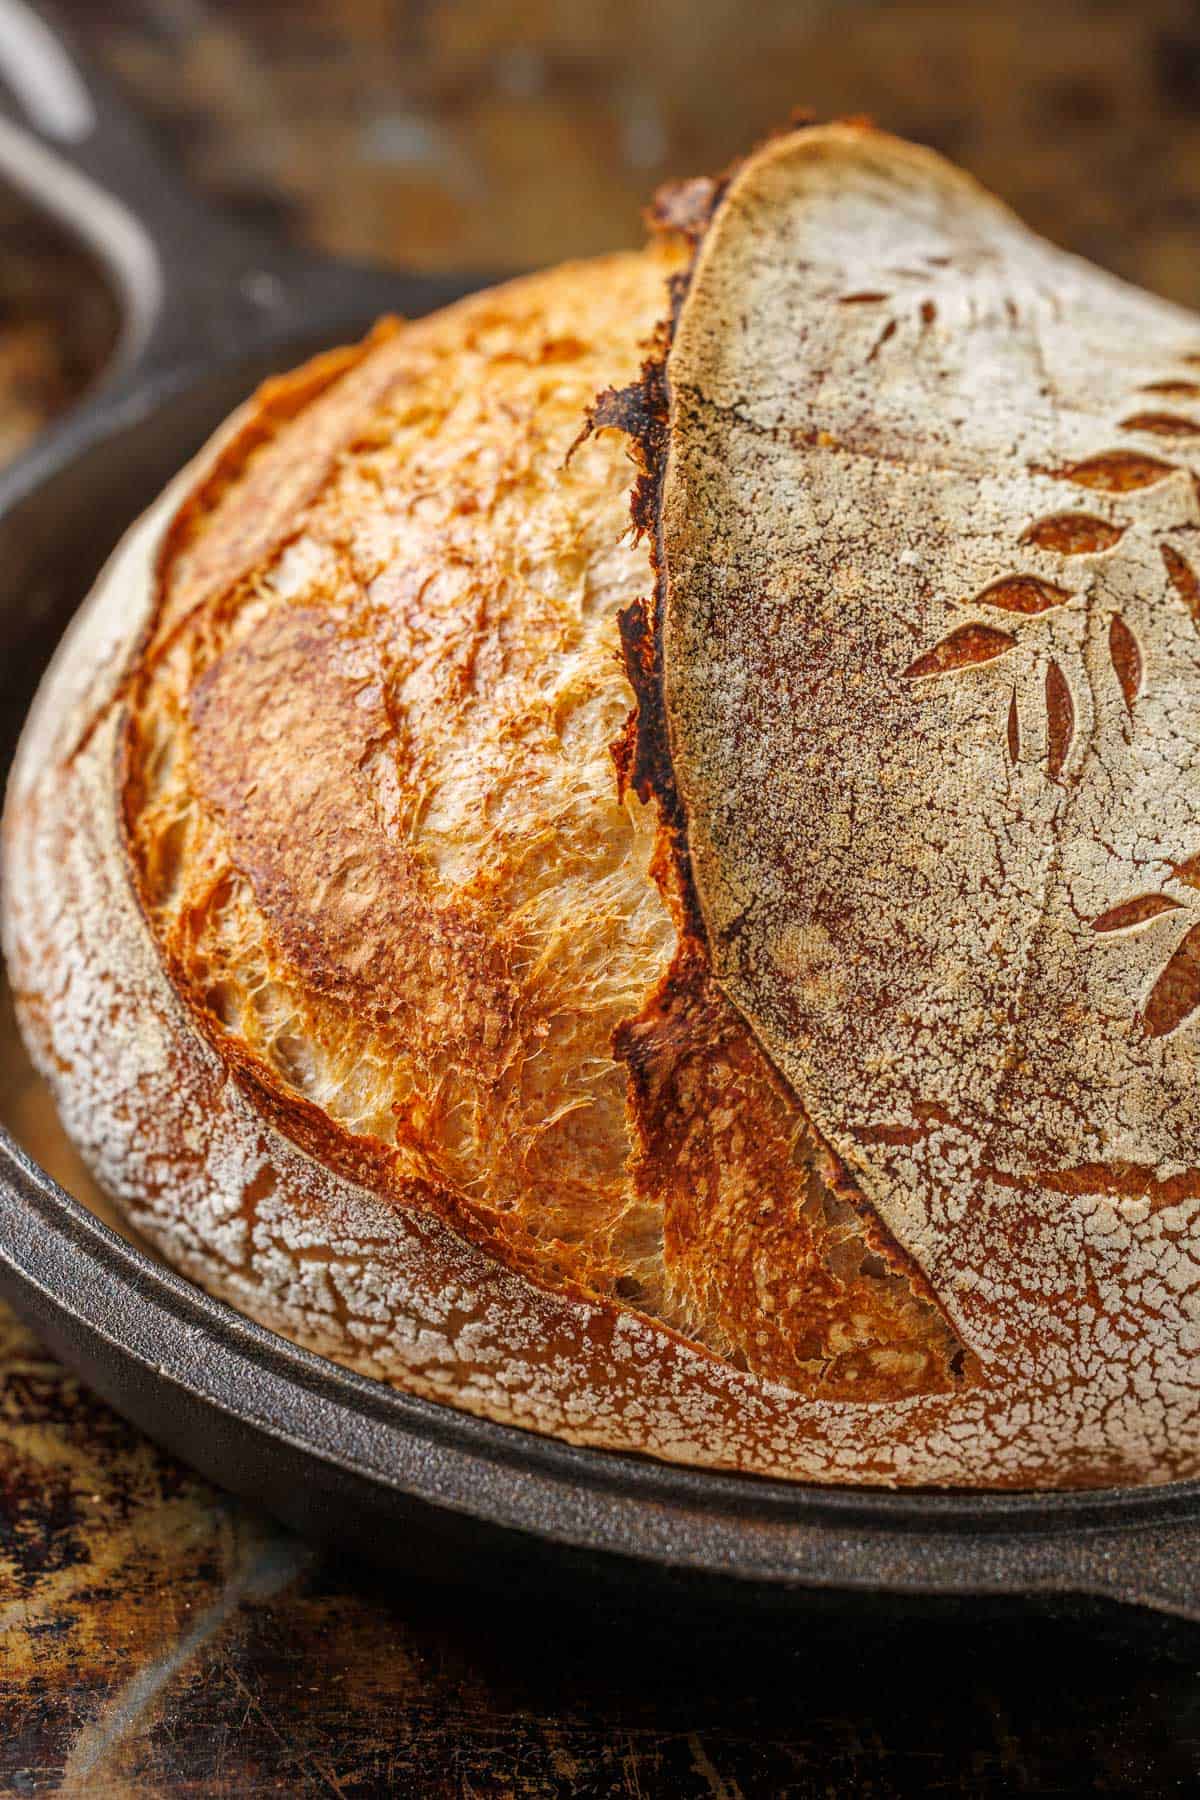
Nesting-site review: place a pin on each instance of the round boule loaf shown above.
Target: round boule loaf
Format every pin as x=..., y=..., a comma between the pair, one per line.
x=724, y=986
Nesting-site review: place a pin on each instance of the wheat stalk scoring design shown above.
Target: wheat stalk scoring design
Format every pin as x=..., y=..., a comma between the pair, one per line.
x=1021, y=596
x=1175, y=994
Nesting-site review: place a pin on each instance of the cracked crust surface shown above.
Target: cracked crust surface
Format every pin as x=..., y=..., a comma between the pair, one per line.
x=342, y=949
x=388, y=1014
x=929, y=648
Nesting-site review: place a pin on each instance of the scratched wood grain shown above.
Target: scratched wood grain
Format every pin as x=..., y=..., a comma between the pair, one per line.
x=158, y=1638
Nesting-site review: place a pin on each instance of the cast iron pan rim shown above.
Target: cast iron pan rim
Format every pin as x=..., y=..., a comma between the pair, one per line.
x=603, y=1473
x=130, y=1322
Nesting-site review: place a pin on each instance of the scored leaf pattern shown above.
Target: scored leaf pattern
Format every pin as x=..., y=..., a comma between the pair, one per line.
x=964, y=647
x=1178, y=390
x=1116, y=471
x=1073, y=534
x=1175, y=995
x=1060, y=720
x=1134, y=912
x=1126, y=659
x=1183, y=579
x=1026, y=594
x=1162, y=424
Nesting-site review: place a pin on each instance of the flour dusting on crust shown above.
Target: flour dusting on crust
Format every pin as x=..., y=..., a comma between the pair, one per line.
x=931, y=657
x=345, y=953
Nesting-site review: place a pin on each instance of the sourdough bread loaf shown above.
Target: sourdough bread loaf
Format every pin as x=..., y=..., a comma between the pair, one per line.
x=727, y=985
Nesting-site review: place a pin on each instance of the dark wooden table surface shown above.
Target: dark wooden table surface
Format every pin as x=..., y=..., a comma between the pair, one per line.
x=157, y=1637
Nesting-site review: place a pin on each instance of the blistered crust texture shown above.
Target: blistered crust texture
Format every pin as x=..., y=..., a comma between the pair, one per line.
x=929, y=633
x=345, y=952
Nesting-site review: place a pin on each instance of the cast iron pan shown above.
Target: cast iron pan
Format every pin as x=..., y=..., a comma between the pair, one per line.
x=206, y=311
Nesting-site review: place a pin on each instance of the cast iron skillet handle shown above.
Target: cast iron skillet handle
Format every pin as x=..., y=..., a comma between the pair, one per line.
x=207, y=309
x=1158, y=1567
x=1107, y=1551
x=192, y=287
x=73, y=149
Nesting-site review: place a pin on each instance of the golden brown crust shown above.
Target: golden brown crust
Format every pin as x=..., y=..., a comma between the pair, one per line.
x=761, y=1236
x=285, y=729
x=427, y=679
x=372, y=818
x=263, y=476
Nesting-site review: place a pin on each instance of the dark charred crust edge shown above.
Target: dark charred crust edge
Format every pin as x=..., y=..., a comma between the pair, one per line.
x=642, y=754
x=642, y=412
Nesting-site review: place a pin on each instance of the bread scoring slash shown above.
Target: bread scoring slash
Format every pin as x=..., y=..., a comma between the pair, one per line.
x=728, y=989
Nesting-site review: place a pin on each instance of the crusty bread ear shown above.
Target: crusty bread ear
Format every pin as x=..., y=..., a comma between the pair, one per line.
x=869, y=1155
x=930, y=650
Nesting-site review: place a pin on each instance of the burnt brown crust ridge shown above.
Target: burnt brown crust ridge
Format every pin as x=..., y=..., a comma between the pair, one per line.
x=689, y=1007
